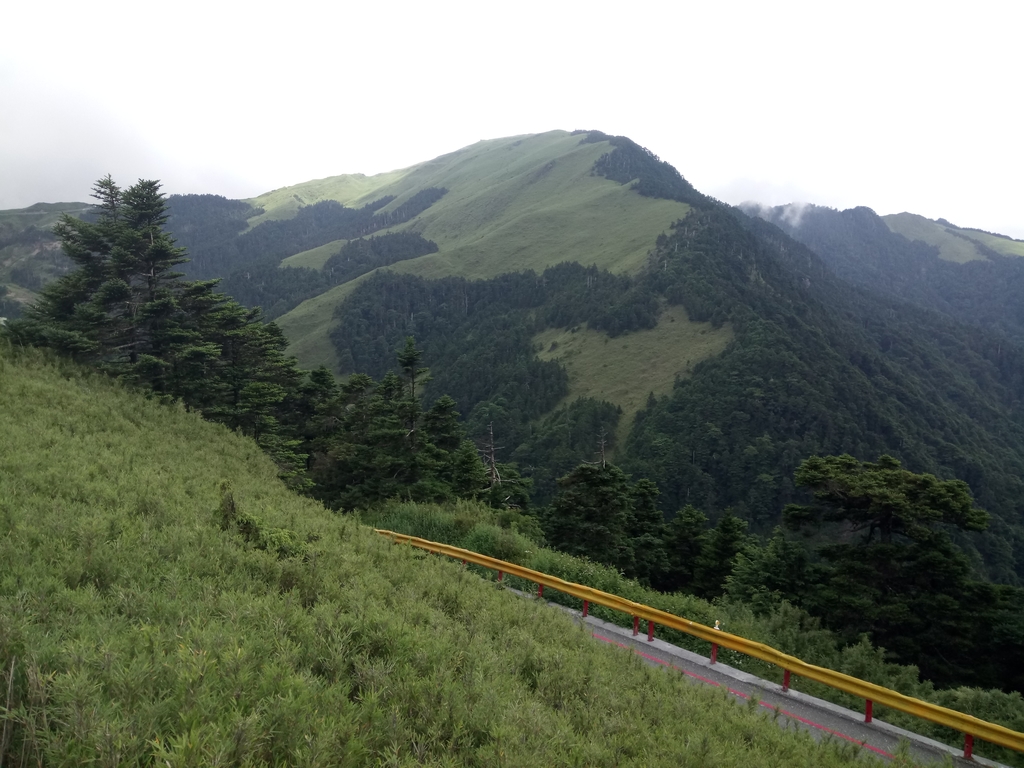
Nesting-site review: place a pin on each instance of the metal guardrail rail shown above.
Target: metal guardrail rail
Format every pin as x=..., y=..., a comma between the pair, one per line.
x=970, y=726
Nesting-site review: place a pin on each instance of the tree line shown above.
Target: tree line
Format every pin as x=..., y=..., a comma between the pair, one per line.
x=248, y=261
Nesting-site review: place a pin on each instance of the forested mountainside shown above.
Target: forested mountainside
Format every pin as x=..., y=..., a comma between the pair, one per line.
x=213, y=229
x=973, y=276
x=814, y=367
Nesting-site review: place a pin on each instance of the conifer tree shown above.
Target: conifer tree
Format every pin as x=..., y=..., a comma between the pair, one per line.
x=718, y=554
x=892, y=569
x=591, y=515
x=647, y=534
x=684, y=538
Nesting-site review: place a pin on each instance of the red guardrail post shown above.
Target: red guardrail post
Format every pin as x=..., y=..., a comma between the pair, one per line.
x=501, y=575
x=785, y=681
x=650, y=631
x=968, y=747
x=869, y=706
x=540, y=590
x=714, y=653
x=636, y=626
x=586, y=608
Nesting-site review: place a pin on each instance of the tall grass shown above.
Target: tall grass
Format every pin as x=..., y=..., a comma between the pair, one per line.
x=151, y=615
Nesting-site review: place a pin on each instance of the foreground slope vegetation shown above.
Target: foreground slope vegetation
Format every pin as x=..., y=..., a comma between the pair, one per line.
x=149, y=614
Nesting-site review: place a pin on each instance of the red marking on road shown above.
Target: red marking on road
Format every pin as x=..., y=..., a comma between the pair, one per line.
x=742, y=695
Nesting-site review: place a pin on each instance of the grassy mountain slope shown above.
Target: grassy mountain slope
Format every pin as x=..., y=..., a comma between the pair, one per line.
x=149, y=618
x=314, y=258
x=954, y=243
x=815, y=366
x=519, y=203
x=40, y=215
x=283, y=203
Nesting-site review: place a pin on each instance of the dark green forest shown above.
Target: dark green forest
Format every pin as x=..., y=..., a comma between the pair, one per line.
x=815, y=369
x=477, y=335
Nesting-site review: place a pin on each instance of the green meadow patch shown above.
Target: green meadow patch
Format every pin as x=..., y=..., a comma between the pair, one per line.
x=609, y=369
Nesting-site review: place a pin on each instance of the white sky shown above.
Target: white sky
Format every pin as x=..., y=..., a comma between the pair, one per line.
x=895, y=105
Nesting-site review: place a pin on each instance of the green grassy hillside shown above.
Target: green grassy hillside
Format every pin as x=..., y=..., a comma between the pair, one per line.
x=524, y=202
x=148, y=616
x=40, y=215
x=314, y=258
x=347, y=188
x=999, y=243
x=954, y=243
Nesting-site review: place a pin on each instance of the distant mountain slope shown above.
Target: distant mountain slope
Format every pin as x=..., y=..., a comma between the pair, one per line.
x=525, y=202
x=29, y=254
x=346, y=189
x=954, y=243
x=986, y=289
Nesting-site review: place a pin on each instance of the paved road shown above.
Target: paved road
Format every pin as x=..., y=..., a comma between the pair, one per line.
x=821, y=718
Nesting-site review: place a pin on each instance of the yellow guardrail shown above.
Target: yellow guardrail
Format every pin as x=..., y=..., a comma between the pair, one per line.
x=972, y=727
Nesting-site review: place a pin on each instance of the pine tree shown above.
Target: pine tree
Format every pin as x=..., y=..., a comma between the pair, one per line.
x=647, y=534
x=718, y=554
x=684, y=538
x=892, y=569
x=591, y=516
x=780, y=569
x=125, y=310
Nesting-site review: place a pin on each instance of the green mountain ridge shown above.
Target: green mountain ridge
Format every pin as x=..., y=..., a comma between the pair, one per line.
x=29, y=254
x=985, y=287
x=954, y=243
x=506, y=209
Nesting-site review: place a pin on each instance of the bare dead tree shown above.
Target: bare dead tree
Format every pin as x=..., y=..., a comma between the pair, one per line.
x=490, y=452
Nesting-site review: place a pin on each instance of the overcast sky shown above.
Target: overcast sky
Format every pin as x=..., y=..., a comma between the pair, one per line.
x=912, y=106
